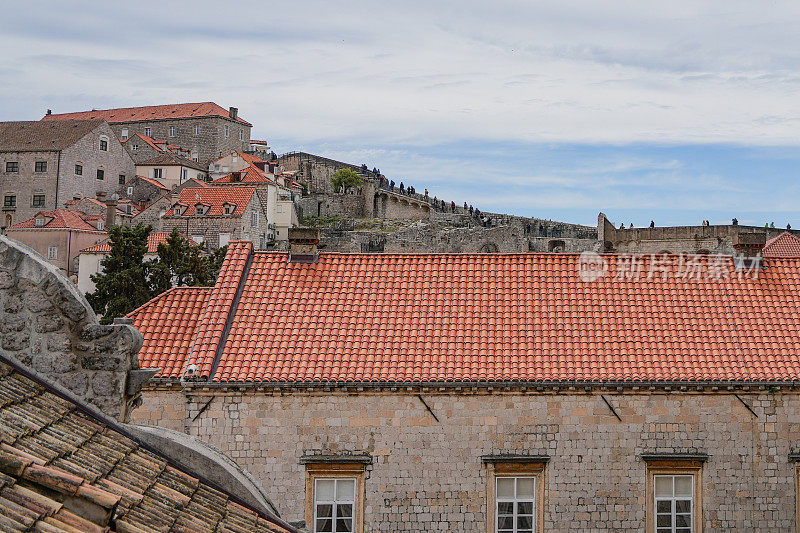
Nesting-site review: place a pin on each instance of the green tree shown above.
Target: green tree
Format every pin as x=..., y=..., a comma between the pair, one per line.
x=123, y=284
x=344, y=178
x=180, y=263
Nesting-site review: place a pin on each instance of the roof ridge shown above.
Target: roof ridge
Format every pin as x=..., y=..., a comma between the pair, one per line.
x=208, y=337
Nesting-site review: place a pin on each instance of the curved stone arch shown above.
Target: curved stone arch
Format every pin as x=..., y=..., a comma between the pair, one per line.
x=703, y=251
x=488, y=248
x=556, y=246
x=664, y=252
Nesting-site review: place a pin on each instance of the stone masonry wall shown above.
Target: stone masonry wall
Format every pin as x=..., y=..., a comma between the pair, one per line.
x=48, y=325
x=208, y=144
x=428, y=476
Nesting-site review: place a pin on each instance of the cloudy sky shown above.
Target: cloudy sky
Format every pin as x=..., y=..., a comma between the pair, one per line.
x=671, y=111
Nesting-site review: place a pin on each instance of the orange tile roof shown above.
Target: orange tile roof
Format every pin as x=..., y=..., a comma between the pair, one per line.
x=153, y=112
x=784, y=245
x=59, y=218
x=148, y=140
x=216, y=197
x=388, y=318
x=169, y=323
x=153, y=240
x=251, y=175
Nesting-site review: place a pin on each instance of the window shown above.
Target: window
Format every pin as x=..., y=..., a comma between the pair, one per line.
x=227, y=131
x=122, y=179
x=184, y=174
x=38, y=200
x=52, y=252
x=40, y=166
x=224, y=239
x=124, y=133
x=515, y=498
x=235, y=157
x=335, y=496
x=197, y=129
x=38, y=222
x=130, y=191
x=79, y=169
x=195, y=157
x=200, y=210
x=279, y=208
x=241, y=135
x=673, y=494
x=673, y=503
x=103, y=145
x=172, y=131
x=334, y=500
x=12, y=166
x=10, y=201
x=101, y=174
x=227, y=209
x=197, y=239
x=515, y=486
x=254, y=218
x=148, y=132
x=158, y=173
x=135, y=147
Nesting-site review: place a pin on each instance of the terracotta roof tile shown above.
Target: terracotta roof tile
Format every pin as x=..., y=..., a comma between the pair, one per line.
x=153, y=240
x=154, y=112
x=94, y=463
x=59, y=218
x=216, y=197
x=784, y=245
x=152, y=181
x=169, y=324
x=170, y=159
x=250, y=175
x=492, y=317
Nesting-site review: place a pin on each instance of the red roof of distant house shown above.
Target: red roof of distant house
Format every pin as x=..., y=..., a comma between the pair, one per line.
x=428, y=318
x=153, y=240
x=154, y=112
x=249, y=175
x=152, y=181
x=216, y=197
x=148, y=140
x=97, y=202
x=60, y=219
x=784, y=245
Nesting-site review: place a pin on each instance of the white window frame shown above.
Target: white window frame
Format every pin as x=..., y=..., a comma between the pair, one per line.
x=672, y=499
x=516, y=500
x=158, y=173
x=196, y=129
x=124, y=134
x=254, y=218
x=148, y=132
x=241, y=135
x=52, y=252
x=227, y=131
x=172, y=131
x=130, y=190
x=103, y=139
x=335, y=503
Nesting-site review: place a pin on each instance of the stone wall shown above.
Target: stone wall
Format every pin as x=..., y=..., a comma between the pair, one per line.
x=427, y=475
x=208, y=144
x=314, y=170
x=449, y=233
x=347, y=205
x=25, y=183
x=717, y=239
x=48, y=326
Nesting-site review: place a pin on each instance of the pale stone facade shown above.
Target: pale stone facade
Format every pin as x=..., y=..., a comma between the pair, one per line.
x=427, y=475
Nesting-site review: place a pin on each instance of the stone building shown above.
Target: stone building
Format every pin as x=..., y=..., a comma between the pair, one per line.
x=45, y=164
x=215, y=216
x=68, y=462
x=142, y=191
x=491, y=392
x=59, y=236
x=143, y=148
x=205, y=129
x=171, y=170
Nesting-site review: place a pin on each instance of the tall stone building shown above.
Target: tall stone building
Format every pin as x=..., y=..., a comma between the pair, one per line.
x=492, y=392
x=205, y=129
x=43, y=165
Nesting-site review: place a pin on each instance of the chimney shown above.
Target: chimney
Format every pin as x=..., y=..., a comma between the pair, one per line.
x=233, y=112
x=111, y=211
x=748, y=249
x=49, y=111
x=303, y=245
